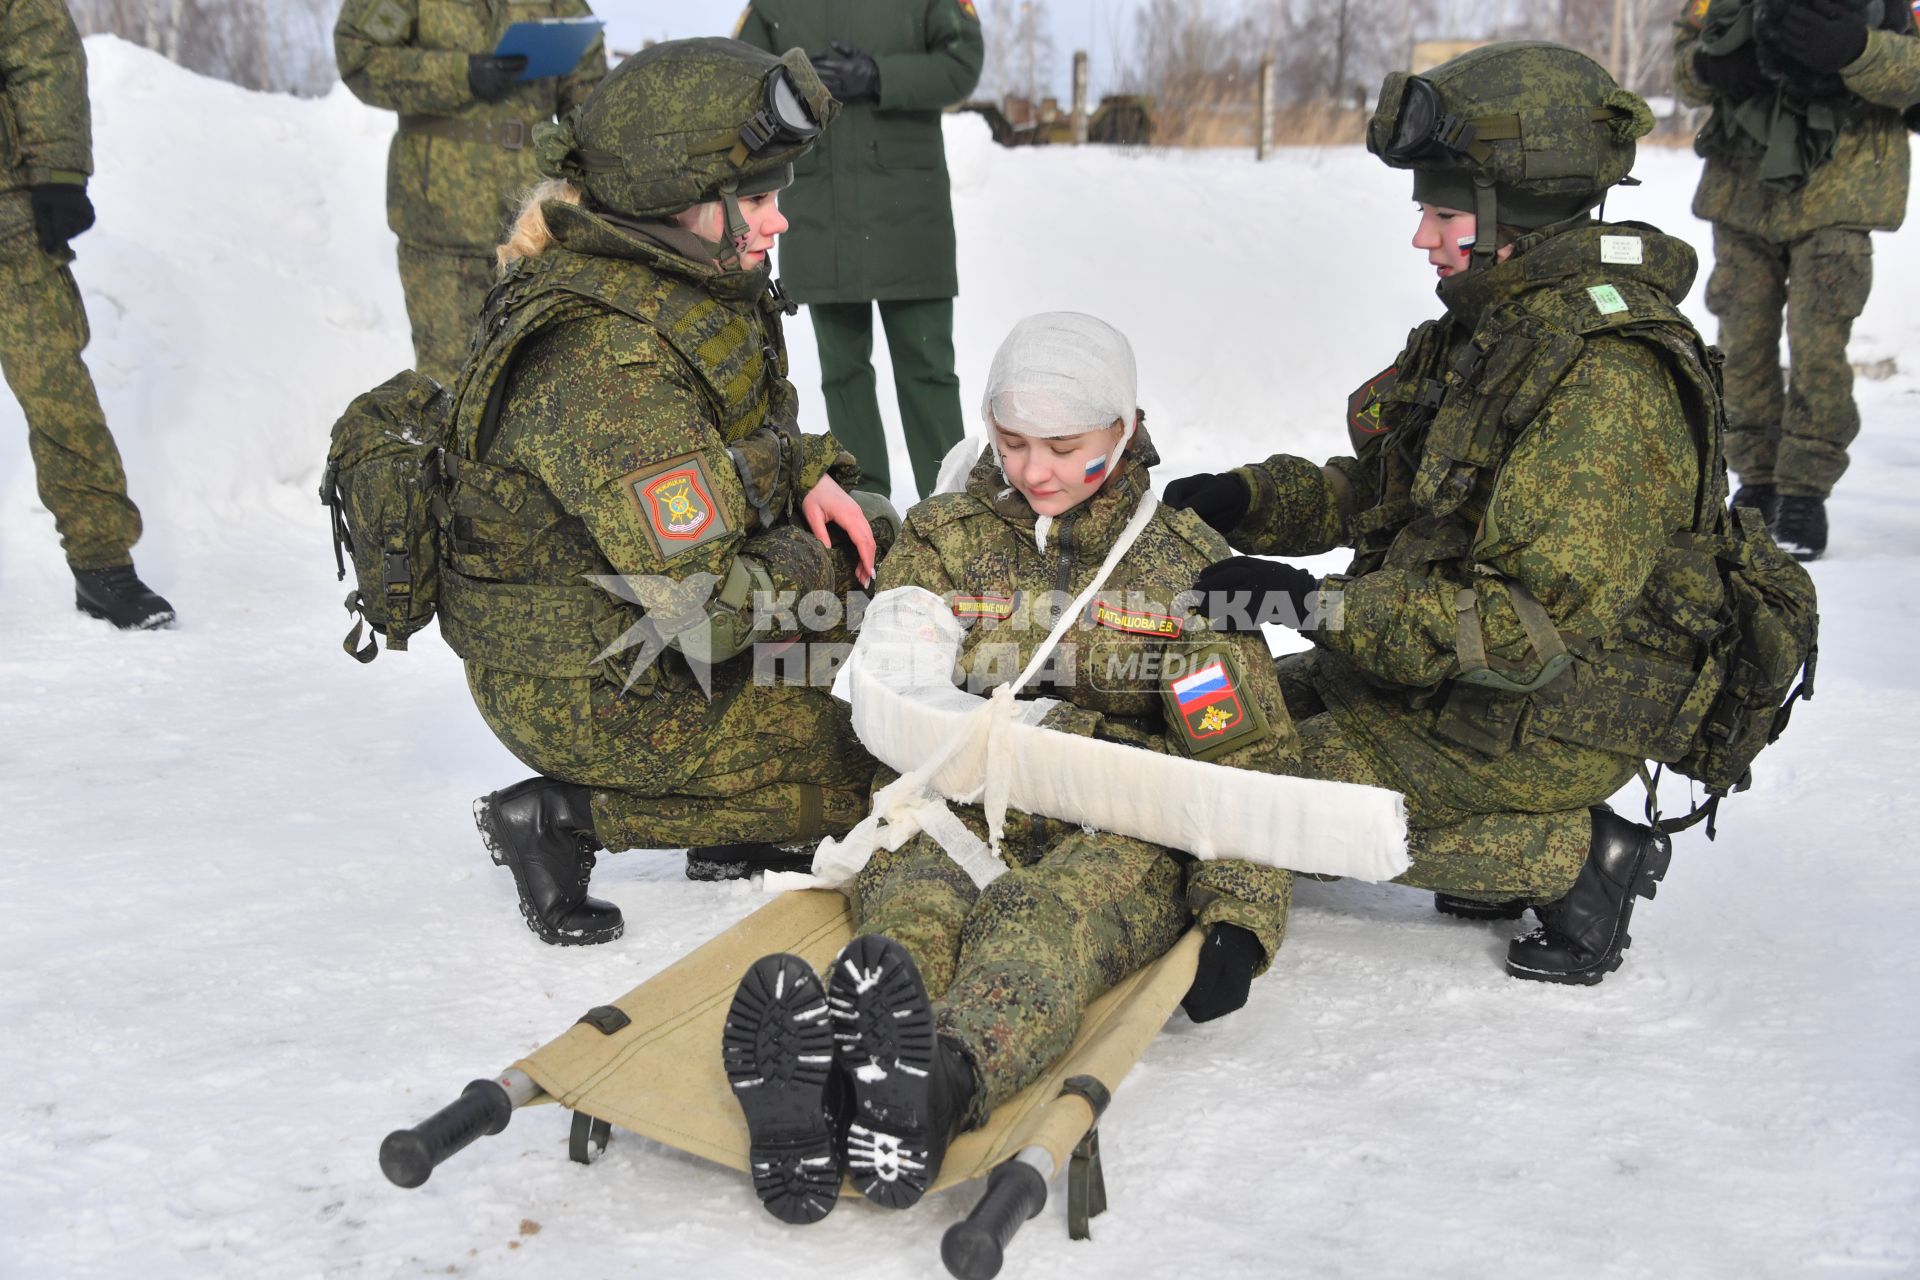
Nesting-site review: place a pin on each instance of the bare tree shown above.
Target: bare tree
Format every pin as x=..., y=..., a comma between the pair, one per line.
x=282, y=45
x=1020, y=50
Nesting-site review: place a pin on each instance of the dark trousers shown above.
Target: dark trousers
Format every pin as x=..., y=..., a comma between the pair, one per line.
x=920, y=339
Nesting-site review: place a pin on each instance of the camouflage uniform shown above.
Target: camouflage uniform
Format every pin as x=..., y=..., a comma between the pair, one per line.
x=1012, y=967
x=640, y=368
x=1806, y=252
x=458, y=166
x=46, y=137
x=1519, y=628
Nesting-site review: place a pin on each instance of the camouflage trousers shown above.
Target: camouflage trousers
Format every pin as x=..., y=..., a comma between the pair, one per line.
x=1493, y=828
x=445, y=291
x=43, y=330
x=1013, y=967
x=757, y=762
x=1795, y=433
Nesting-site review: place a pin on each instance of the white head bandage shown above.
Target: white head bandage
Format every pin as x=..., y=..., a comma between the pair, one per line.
x=1061, y=373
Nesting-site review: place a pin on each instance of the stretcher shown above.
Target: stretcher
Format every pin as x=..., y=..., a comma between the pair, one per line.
x=650, y=1063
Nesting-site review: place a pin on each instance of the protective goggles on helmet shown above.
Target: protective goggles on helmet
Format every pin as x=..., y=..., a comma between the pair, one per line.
x=1410, y=128
x=787, y=116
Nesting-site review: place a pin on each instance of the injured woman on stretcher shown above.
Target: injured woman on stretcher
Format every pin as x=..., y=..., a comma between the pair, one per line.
x=1077, y=772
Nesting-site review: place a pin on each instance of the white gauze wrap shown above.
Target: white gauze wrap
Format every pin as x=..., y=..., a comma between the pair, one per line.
x=1060, y=373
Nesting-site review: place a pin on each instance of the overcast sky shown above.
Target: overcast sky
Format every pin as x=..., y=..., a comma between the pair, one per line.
x=1093, y=25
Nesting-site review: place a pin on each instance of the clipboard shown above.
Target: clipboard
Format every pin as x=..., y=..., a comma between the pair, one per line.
x=551, y=46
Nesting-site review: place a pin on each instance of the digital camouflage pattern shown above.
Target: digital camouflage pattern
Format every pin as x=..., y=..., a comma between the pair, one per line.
x=1519, y=632
x=605, y=555
x=1019, y=961
x=1804, y=253
x=666, y=134
x=46, y=136
x=450, y=198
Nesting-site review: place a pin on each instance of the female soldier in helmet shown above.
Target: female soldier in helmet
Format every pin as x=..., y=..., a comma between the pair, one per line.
x=634, y=512
x=1519, y=627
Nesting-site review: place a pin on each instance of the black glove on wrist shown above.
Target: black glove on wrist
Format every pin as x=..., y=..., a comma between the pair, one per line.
x=1735, y=75
x=1240, y=593
x=1823, y=34
x=1227, y=960
x=849, y=74
x=493, y=78
x=61, y=211
x=1221, y=500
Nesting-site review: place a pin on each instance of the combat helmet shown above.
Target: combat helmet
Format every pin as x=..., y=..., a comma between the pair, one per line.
x=1525, y=133
x=687, y=121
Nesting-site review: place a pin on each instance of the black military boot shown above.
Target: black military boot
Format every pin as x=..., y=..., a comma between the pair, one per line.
x=1581, y=936
x=542, y=831
x=911, y=1089
x=778, y=1054
x=117, y=595
x=738, y=861
x=1800, y=526
x=1764, y=498
x=1448, y=904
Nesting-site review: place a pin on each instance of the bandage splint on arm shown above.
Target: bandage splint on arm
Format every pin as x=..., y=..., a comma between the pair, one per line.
x=950, y=745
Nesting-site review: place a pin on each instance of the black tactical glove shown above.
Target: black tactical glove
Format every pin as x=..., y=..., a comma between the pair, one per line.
x=1221, y=500
x=492, y=78
x=1240, y=593
x=1227, y=960
x=1825, y=35
x=849, y=74
x=1735, y=75
x=61, y=211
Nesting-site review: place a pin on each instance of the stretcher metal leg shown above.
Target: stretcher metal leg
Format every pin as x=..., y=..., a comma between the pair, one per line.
x=589, y=1138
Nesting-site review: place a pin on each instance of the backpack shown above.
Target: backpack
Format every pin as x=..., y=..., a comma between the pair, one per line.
x=1766, y=634
x=384, y=485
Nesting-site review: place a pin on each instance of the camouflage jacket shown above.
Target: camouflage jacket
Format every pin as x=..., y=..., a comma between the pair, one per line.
x=871, y=207
x=410, y=56
x=976, y=549
x=638, y=482
x=1522, y=476
x=1863, y=184
x=46, y=129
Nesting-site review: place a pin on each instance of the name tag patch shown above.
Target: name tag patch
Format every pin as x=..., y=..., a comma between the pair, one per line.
x=1137, y=622
x=1606, y=299
x=974, y=608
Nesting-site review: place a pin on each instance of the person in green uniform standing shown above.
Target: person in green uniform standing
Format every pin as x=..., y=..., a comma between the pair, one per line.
x=872, y=212
x=1806, y=153
x=1522, y=622
x=463, y=155
x=46, y=156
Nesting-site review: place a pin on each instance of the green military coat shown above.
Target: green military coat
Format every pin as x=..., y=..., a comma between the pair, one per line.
x=871, y=206
x=1863, y=185
x=410, y=56
x=45, y=123
x=977, y=551
x=1519, y=627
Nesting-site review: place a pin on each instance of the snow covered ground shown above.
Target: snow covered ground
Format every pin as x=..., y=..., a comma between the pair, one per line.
x=250, y=928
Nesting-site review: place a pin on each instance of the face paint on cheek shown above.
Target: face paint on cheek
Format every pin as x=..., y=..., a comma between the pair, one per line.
x=1095, y=469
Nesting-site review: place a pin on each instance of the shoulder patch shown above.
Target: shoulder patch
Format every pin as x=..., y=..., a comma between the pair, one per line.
x=386, y=22
x=1363, y=406
x=1697, y=13
x=674, y=503
x=966, y=7
x=1207, y=713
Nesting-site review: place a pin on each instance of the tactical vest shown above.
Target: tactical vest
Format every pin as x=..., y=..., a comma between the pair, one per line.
x=1437, y=430
x=511, y=594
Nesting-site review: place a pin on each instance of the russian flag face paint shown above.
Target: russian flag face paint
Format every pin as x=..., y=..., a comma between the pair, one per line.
x=1095, y=469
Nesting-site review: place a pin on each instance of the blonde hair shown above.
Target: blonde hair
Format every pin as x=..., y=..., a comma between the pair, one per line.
x=530, y=236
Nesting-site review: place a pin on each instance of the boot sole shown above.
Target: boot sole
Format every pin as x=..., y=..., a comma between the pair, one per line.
x=778, y=1054
x=1474, y=909
x=497, y=850
x=1655, y=858
x=153, y=622
x=883, y=1024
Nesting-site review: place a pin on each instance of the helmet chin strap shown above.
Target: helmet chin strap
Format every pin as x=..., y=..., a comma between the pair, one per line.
x=1486, y=222
x=727, y=251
